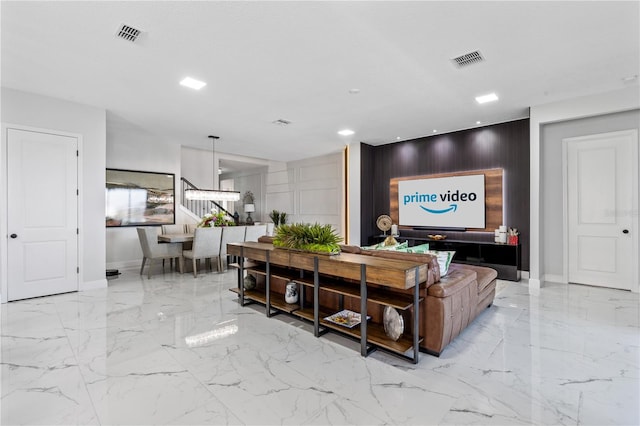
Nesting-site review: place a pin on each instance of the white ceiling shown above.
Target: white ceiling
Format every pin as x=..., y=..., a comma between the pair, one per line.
x=297, y=61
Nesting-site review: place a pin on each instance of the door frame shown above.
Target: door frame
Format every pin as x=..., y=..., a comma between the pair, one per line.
x=635, y=229
x=4, y=255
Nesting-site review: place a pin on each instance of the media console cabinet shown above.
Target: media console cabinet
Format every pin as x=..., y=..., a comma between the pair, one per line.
x=504, y=258
x=350, y=276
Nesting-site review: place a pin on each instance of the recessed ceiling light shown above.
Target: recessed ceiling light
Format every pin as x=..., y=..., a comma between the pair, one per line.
x=193, y=83
x=486, y=98
x=354, y=91
x=346, y=132
x=397, y=138
x=478, y=122
x=435, y=131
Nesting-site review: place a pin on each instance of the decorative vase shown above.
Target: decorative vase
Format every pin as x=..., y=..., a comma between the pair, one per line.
x=393, y=323
x=291, y=293
x=249, y=282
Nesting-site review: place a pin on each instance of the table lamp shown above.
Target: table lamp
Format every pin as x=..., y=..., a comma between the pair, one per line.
x=248, y=209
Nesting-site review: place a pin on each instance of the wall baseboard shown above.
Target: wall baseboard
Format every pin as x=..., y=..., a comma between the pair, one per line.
x=92, y=285
x=553, y=278
x=127, y=264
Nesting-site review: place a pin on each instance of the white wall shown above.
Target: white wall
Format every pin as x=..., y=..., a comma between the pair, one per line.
x=354, y=185
x=27, y=109
x=250, y=180
x=310, y=190
x=197, y=167
x=543, y=228
x=551, y=136
x=132, y=148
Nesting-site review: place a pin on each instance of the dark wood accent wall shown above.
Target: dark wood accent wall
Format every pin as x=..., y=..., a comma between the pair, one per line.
x=504, y=146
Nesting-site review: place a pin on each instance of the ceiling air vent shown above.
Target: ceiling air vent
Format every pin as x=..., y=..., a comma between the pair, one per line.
x=468, y=59
x=128, y=33
x=281, y=122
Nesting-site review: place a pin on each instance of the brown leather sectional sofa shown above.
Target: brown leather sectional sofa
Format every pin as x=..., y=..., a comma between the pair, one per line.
x=451, y=302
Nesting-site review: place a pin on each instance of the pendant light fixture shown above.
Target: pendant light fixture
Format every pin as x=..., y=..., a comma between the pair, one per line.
x=212, y=194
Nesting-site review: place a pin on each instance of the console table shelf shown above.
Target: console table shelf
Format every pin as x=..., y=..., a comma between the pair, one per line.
x=347, y=275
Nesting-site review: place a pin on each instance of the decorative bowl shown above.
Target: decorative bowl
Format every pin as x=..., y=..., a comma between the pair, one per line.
x=437, y=237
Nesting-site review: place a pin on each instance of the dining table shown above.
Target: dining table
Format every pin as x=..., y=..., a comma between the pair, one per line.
x=175, y=238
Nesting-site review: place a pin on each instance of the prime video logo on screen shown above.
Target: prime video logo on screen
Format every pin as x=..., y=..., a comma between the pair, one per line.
x=455, y=201
x=451, y=198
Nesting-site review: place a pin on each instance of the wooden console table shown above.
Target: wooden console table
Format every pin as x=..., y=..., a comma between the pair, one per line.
x=337, y=274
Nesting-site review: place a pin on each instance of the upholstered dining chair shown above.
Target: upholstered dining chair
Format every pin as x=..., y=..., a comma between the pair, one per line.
x=152, y=250
x=254, y=232
x=230, y=234
x=206, y=245
x=177, y=228
x=191, y=228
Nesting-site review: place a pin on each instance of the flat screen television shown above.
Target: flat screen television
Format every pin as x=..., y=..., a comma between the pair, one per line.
x=456, y=202
x=137, y=198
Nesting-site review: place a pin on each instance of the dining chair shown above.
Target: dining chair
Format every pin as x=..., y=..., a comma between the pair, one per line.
x=191, y=228
x=230, y=234
x=152, y=250
x=254, y=232
x=206, y=245
x=178, y=228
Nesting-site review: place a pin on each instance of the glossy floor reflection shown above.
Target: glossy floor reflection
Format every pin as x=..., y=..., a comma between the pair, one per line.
x=179, y=350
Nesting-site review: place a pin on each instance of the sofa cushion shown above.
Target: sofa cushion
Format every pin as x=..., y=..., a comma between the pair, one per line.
x=486, y=276
x=266, y=239
x=457, y=280
x=350, y=249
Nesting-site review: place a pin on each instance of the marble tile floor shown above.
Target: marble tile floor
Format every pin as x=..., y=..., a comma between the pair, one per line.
x=179, y=350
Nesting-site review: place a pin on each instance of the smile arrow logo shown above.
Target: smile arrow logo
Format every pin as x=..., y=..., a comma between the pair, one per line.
x=452, y=207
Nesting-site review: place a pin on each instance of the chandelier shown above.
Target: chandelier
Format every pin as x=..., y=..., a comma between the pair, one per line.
x=212, y=194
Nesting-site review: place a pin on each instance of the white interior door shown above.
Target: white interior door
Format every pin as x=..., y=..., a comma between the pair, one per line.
x=602, y=196
x=42, y=214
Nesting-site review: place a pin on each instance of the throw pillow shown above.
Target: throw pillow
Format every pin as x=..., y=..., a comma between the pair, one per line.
x=422, y=248
x=444, y=260
x=381, y=246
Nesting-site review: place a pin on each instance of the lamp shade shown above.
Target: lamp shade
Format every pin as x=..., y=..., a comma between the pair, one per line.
x=249, y=208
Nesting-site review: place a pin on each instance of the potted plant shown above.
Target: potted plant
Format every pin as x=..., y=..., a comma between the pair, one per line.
x=275, y=217
x=314, y=238
x=215, y=219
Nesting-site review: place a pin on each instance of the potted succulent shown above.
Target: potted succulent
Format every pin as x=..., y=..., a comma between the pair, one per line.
x=314, y=238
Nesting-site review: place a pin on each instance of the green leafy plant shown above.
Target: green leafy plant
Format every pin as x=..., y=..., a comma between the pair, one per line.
x=283, y=218
x=306, y=237
x=275, y=217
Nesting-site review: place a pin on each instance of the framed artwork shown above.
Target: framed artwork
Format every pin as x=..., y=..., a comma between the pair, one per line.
x=136, y=198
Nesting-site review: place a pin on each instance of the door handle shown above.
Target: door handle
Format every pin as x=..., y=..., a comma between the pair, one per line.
x=13, y=236
x=625, y=231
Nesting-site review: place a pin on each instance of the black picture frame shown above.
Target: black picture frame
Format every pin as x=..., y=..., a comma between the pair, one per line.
x=139, y=198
